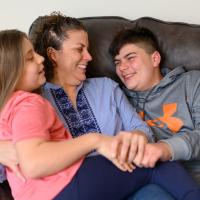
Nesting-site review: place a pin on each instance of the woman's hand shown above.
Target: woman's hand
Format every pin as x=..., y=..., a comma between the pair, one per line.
x=109, y=147
x=132, y=147
x=8, y=157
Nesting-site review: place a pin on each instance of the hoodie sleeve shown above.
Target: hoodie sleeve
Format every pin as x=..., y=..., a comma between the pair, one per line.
x=186, y=145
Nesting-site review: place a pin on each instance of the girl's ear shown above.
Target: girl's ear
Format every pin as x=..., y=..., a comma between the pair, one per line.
x=51, y=54
x=156, y=59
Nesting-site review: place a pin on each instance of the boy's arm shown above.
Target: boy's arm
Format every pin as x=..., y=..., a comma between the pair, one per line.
x=185, y=145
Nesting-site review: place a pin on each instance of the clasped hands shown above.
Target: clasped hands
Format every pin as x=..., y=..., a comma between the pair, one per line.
x=131, y=149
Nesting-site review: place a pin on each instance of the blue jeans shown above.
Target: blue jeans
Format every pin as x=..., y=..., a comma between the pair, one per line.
x=150, y=192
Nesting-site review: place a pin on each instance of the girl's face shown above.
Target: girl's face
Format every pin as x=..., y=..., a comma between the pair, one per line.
x=33, y=73
x=72, y=59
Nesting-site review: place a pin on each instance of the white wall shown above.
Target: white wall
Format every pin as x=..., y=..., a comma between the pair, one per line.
x=21, y=13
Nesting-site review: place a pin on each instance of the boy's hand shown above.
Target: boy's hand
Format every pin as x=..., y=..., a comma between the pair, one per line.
x=155, y=152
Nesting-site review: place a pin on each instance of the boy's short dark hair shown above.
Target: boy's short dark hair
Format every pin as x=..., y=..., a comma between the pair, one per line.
x=143, y=37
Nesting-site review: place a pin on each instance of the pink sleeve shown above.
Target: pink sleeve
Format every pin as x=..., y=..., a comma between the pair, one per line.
x=31, y=119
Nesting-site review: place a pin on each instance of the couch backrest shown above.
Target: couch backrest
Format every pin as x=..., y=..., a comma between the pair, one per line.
x=179, y=42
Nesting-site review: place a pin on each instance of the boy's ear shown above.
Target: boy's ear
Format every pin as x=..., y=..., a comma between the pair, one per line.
x=51, y=54
x=156, y=59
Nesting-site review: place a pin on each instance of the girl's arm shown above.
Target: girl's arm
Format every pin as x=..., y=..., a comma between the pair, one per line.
x=39, y=157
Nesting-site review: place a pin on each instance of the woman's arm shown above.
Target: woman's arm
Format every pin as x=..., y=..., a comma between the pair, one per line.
x=8, y=154
x=8, y=157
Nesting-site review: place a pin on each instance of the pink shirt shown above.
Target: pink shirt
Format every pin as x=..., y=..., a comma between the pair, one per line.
x=27, y=115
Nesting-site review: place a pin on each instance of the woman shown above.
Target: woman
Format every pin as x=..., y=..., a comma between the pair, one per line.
x=84, y=105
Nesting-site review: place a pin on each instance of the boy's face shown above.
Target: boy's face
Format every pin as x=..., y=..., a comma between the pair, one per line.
x=136, y=68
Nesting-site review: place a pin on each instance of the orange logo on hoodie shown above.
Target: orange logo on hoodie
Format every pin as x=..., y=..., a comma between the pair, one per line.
x=173, y=123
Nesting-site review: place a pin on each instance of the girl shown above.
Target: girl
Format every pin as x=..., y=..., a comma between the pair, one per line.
x=52, y=162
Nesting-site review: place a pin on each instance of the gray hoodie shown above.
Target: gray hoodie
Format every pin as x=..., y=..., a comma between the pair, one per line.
x=172, y=109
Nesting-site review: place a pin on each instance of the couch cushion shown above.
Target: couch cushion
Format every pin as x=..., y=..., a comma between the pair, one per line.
x=179, y=42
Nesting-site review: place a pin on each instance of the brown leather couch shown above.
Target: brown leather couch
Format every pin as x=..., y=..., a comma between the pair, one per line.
x=179, y=42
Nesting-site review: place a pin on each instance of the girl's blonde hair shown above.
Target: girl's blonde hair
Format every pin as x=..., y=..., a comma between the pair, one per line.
x=11, y=62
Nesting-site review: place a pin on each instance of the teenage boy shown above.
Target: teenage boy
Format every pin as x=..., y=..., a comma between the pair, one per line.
x=169, y=101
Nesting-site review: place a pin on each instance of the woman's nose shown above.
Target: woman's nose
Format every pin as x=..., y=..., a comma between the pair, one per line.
x=87, y=56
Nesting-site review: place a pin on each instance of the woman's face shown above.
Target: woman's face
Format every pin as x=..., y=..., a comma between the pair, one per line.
x=72, y=59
